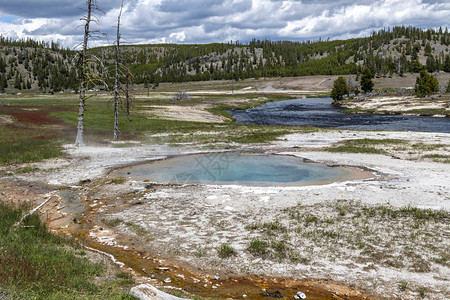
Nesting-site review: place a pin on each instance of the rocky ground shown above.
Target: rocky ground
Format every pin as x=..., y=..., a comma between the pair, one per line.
x=387, y=235
x=438, y=106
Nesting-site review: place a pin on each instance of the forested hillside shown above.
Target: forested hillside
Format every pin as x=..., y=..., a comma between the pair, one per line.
x=26, y=65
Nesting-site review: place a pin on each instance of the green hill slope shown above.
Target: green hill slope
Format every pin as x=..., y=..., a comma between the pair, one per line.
x=29, y=65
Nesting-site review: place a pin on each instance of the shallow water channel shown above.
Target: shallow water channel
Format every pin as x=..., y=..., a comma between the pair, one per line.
x=319, y=112
x=241, y=169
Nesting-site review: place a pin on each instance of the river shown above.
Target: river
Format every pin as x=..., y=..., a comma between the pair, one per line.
x=319, y=112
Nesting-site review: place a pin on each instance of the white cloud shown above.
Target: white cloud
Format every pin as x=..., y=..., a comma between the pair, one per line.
x=361, y=18
x=203, y=21
x=178, y=36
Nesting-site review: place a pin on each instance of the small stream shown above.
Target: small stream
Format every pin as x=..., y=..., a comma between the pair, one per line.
x=319, y=112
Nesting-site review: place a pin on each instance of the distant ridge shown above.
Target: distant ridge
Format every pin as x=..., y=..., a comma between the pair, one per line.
x=31, y=65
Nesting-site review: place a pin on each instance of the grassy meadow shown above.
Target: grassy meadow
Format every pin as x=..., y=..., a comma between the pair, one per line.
x=36, y=264
x=34, y=127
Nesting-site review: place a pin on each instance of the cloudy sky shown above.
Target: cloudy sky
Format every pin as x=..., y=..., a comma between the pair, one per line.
x=205, y=21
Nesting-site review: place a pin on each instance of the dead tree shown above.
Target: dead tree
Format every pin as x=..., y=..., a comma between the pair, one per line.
x=84, y=75
x=128, y=93
x=352, y=85
x=116, y=81
x=180, y=96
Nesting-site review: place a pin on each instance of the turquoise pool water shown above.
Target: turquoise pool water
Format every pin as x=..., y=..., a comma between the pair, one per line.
x=241, y=169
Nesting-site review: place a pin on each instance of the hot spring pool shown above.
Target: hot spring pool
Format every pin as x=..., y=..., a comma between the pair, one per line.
x=240, y=169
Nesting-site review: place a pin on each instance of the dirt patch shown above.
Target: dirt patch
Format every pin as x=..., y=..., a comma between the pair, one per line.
x=314, y=83
x=16, y=193
x=34, y=116
x=195, y=113
x=5, y=120
x=409, y=105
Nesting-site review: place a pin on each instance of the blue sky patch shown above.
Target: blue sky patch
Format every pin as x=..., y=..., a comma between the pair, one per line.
x=8, y=19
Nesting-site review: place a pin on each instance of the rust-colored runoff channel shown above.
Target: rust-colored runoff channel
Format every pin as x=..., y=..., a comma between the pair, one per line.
x=167, y=276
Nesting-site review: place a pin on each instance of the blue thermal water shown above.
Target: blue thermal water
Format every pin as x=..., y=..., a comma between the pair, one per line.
x=227, y=168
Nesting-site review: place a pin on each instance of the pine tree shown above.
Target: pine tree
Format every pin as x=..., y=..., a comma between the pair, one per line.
x=340, y=89
x=446, y=67
x=366, y=81
x=17, y=82
x=426, y=84
x=431, y=64
x=428, y=49
x=3, y=84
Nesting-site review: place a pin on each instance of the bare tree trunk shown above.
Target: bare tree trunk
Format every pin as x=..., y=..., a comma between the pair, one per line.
x=79, y=140
x=116, y=82
x=127, y=95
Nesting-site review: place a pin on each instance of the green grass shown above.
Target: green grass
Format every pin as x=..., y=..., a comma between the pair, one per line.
x=199, y=253
x=355, y=149
x=422, y=292
x=221, y=110
x=26, y=143
x=126, y=145
x=429, y=112
x=364, y=142
x=28, y=151
x=391, y=146
x=138, y=229
x=27, y=170
x=424, y=214
x=112, y=222
x=279, y=247
x=260, y=136
x=377, y=231
x=268, y=226
x=419, y=112
x=116, y=180
x=44, y=101
x=23, y=143
x=310, y=219
x=228, y=134
x=258, y=247
x=415, y=213
x=438, y=157
x=428, y=147
x=364, y=146
x=226, y=251
x=358, y=111
x=274, y=226
x=36, y=264
x=262, y=248
x=101, y=119
x=318, y=95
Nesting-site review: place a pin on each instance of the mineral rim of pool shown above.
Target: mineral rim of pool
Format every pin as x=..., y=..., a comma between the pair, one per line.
x=240, y=169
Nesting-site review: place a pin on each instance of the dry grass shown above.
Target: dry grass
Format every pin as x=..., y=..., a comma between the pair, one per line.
x=411, y=150
x=407, y=237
